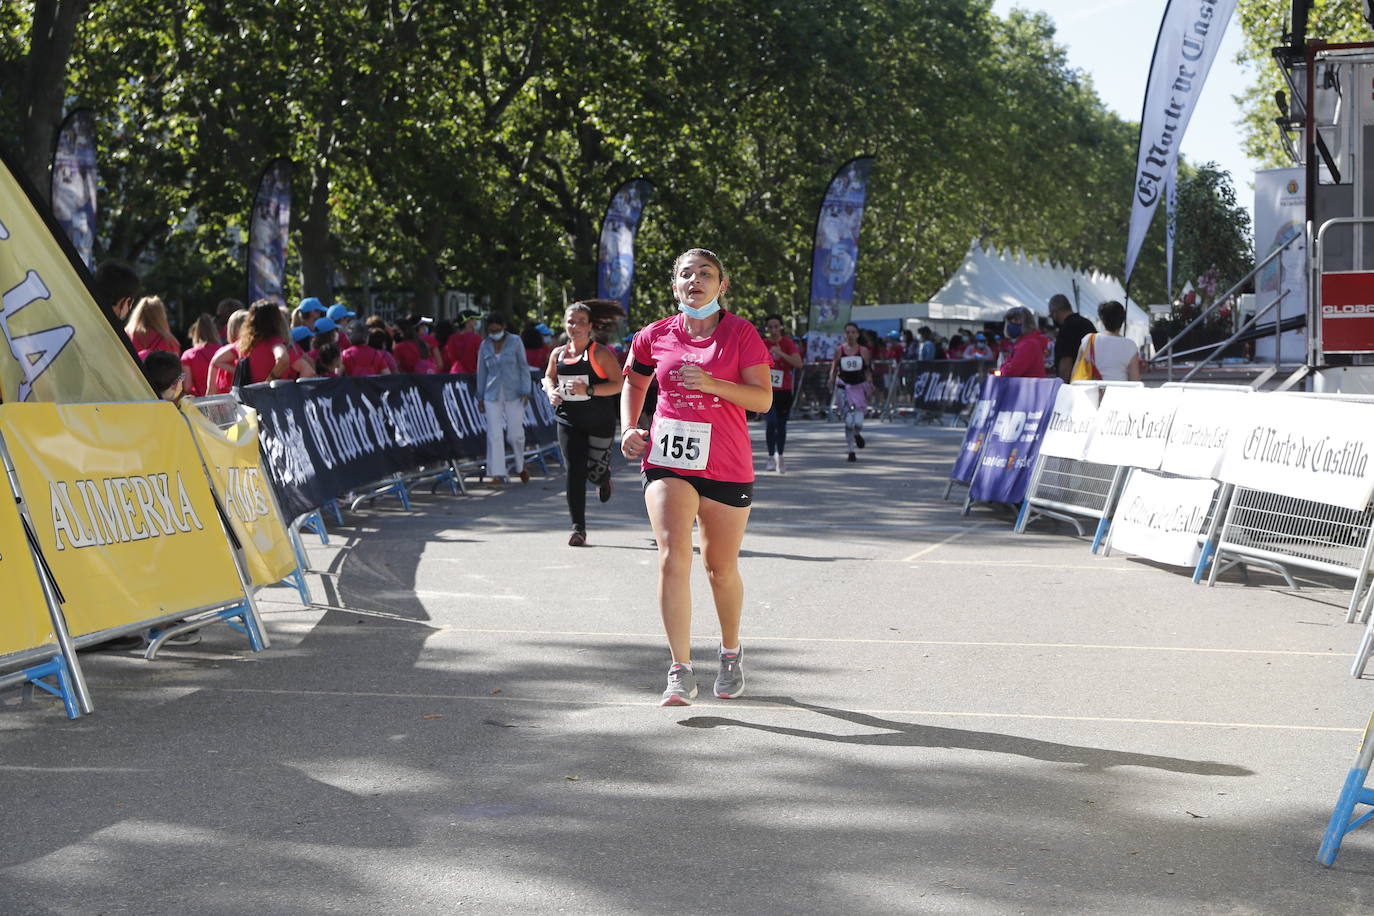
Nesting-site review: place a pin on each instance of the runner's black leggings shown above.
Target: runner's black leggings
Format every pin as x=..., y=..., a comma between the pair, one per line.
x=588, y=455
x=775, y=421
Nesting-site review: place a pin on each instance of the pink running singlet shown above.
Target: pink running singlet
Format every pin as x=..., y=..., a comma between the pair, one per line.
x=734, y=346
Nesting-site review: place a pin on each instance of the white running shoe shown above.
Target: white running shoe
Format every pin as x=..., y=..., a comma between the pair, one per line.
x=780, y=468
x=772, y=464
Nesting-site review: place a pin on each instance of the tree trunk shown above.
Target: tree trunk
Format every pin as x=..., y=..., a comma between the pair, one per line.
x=45, y=85
x=316, y=275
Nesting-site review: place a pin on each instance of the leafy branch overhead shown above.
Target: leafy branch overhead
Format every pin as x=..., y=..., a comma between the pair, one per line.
x=474, y=145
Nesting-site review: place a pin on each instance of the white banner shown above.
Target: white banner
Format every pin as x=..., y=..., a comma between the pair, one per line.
x=1303, y=447
x=1162, y=518
x=1201, y=427
x=1189, y=35
x=1133, y=426
x=1070, y=427
x=1281, y=214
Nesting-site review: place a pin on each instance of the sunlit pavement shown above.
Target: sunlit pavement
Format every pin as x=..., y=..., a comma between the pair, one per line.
x=940, y=716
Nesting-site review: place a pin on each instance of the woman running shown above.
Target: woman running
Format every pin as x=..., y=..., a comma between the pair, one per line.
x=851, y=375
x=582, y=379
x=711, y=366
x=785, y=360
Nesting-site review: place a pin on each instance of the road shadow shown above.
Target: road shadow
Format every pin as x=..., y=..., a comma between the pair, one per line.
x=910, y=734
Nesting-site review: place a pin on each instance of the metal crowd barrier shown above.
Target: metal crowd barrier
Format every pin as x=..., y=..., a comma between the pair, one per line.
x=1274, y=531
x=1069, y=489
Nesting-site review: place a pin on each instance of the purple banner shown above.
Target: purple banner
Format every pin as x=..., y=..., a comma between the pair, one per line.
x=74, y=182
x=1014, y=431
x=267, y=233
x=835, y=257
x=615, y=266
x=977, y=430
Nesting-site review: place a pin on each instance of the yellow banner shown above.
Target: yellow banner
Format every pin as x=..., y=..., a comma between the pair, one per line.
x=237, y=475
x=122, y=510
x=24, y=619
x=58, y=346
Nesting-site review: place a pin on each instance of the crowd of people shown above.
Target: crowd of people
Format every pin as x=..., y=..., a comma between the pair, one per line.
x=680, y=395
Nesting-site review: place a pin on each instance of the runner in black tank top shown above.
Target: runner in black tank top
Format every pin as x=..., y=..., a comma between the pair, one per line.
x=851, y=376
x=583, y=382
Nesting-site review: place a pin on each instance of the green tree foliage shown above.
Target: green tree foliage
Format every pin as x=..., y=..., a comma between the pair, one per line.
x=1213, y=230
x=442, y=144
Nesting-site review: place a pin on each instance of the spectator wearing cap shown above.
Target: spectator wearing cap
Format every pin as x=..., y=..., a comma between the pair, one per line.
x=461, y=347
x=310, y=310
x=894, y=349
x=340, y=315
x=423, y=325
x=537, y=349
x=1028, y=348
x=326, y=334
x=302, y=366
x=979, y=348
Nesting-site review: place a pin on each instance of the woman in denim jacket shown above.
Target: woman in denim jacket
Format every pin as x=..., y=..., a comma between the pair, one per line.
x=503, y=387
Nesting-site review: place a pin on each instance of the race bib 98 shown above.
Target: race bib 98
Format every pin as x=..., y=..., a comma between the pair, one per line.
x=565, y=388
x=680, y=444
x=852, y=363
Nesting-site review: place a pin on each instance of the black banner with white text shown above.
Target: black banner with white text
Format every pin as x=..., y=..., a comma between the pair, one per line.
x=323, y=437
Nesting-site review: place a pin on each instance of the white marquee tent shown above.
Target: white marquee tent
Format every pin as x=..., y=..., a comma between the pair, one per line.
x=989, y=282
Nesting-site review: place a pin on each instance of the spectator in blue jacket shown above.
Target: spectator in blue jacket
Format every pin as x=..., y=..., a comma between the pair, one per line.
x=503, y=388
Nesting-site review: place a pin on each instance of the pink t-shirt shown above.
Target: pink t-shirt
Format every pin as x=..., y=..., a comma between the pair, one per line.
x=223, y=380
x=196, y=362
x=262, y=358
x=146, y=342
x=734, y=346
x=363, y=360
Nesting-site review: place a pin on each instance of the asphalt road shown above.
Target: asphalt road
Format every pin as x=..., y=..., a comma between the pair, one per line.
x=941, y=717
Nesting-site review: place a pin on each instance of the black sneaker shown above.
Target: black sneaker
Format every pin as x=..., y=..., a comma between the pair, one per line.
x=577, y=539
x=604, y=491
x=859, y=440
x=853, y=457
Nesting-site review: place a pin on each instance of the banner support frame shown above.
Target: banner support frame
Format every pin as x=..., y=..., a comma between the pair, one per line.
x=51, y=596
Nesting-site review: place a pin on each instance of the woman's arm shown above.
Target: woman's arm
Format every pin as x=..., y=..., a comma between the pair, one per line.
x=224, y=361
x=550, y=380
x=280, y=364
x=754, y=393
x=631, y=403
x=1133, y=369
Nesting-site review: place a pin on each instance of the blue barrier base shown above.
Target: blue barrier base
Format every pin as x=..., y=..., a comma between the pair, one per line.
x=55, y=667
x=1102, y=525
x=1352, y=793
x=1208, y=550
x=296, y=579
x=315, y=522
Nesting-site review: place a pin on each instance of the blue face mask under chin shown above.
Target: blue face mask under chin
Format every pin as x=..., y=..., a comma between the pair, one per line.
x=1013, y=330
x=706, y=311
